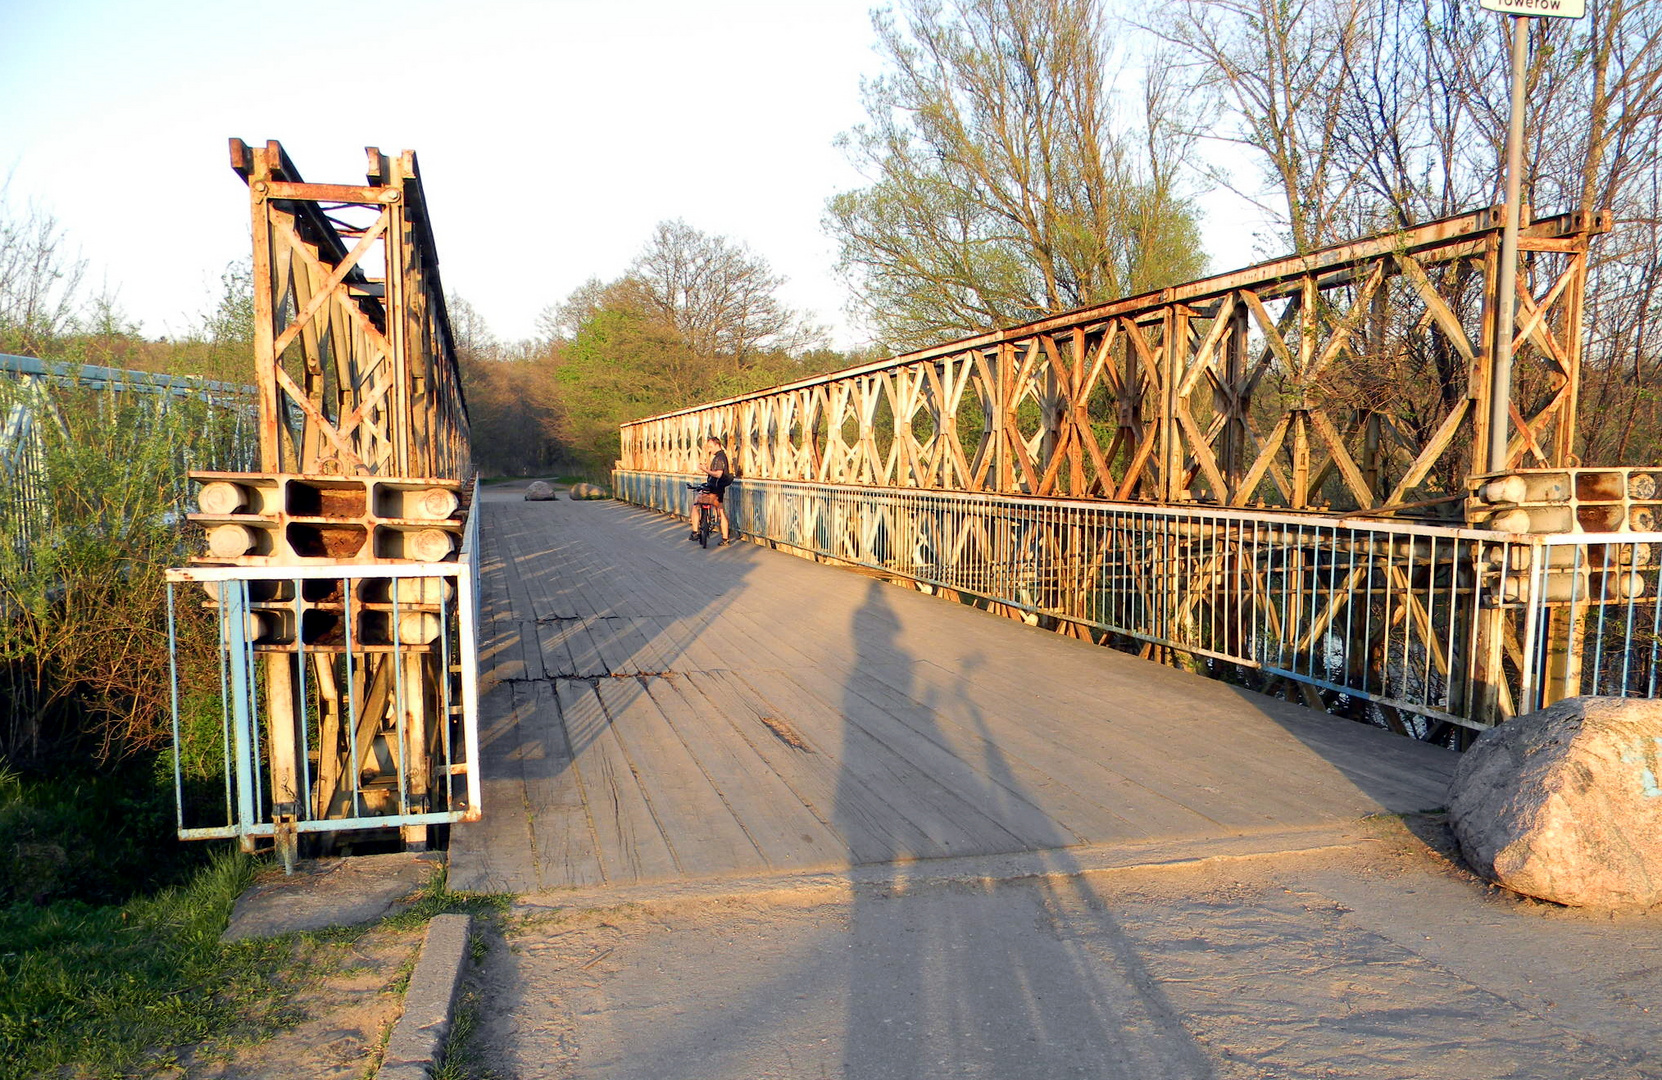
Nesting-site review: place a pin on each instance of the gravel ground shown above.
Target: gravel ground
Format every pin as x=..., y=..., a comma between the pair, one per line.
x=1377, y=959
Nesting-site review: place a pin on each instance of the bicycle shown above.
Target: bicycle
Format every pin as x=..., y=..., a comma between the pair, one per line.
x=704, y=508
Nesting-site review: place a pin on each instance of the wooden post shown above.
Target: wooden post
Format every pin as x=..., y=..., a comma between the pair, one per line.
x=417, y=684
x=265, y=362
x=282, y=746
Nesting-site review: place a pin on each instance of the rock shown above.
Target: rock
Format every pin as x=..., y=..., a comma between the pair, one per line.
x=587, y=491
x=539, y=491
x=1565, y=804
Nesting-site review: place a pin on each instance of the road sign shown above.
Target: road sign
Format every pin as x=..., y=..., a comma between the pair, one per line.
x=1556, y=9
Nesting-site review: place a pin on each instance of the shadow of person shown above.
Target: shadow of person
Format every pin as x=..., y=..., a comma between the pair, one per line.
x=954, y=970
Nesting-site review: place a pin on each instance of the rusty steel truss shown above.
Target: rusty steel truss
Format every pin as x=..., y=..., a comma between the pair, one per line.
x=342, y=572
x=1279, y=470
x=353, y=353
x=1354, y=378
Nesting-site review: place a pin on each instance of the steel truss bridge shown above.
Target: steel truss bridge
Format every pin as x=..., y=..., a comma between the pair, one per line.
x=340, y=571
x=1273, y=474
x=1270, y=474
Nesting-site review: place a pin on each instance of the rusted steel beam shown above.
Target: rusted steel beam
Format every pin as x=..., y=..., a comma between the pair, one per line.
x=356, y=374
x=1350, y=379
x=364, y=475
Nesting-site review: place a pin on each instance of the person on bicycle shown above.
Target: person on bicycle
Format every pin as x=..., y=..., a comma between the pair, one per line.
x=719, y=475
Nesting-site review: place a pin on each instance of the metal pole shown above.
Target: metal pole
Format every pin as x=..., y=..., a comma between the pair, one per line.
x=1506, y=291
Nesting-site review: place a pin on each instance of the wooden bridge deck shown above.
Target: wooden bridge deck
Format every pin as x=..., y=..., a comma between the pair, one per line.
x=656, y=712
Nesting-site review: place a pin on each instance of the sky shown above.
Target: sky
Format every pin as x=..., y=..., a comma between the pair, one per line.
x=552, y=135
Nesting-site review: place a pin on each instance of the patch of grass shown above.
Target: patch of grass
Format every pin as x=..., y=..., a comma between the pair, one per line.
x=459, y=1061
x=101, y=836
x=435, y=897
x=98, y=990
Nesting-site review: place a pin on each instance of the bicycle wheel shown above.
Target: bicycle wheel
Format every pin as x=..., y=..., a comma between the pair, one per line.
x=704, y=528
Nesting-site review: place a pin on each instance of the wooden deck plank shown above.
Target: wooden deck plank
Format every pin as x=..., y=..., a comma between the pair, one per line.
x=907, y=732
x=870, y=829
x=631, y=845
x=785, y=831
x=1013, y=763
x=628, y=649
x=932, y=729
x=1188, y=758
x=1182, y=766
x=1164, y=793
x=495, y=854
x=952, y=824
x=676, y=785
x=563, y=837
x=654, y=653
x=554, y=648
x=586, y=660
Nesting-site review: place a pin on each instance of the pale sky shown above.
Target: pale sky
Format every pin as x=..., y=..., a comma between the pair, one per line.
x=552, y=135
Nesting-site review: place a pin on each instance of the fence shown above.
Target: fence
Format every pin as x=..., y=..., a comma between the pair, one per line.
x=1416, y=627
x=379, y=687
x=39, y=396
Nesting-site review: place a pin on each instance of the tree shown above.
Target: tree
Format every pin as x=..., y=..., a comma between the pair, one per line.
x=722, y=300
x=39, y=280
x=1003, y=186
x=1369, y=115
x=623, y=362
x=510, y=430
x=1278, y=66
x=697, y=317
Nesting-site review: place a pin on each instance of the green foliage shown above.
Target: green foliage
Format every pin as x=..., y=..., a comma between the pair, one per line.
x=696, y=319
x=99, y=837
x=621, y=365
x=100, y=990
x=84, y=646
x=436, y=897
x=1002, y=185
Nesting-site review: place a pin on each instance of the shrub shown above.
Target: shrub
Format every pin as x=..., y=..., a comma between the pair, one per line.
x=83, y=605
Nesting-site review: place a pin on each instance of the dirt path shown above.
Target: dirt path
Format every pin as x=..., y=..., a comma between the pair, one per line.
x=1374, y=959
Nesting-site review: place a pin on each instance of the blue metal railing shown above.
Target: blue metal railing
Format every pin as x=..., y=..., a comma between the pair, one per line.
x=1406, y=624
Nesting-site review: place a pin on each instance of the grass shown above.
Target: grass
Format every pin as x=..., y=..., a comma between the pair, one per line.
x=93, y=991
x=460, y=1059
x=435, y=897
x=109, y=991
x=101, y=837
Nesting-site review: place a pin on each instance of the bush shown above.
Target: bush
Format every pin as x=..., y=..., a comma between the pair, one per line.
x=83, y=605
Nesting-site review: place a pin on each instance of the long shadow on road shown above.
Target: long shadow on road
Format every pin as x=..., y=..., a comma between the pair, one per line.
x=979, y=978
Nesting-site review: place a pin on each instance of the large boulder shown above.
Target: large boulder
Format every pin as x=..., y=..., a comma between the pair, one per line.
x=539, y=491
x=1564, y=804
x=588, y=491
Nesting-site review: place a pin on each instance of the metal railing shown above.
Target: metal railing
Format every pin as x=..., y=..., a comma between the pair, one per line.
x=1593, y=625
x=380, y=662
x=35, y=398
x=1410, y=626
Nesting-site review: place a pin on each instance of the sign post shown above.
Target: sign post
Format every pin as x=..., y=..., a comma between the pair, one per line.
x=1506, y=278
